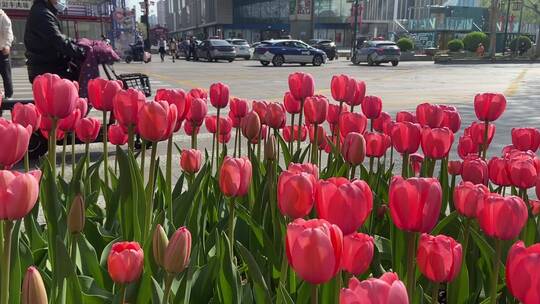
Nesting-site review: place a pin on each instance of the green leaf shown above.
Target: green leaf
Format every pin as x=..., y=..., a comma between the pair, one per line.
x=450, y=219
x=90, y=263
x=66, y=270
x=16, y=268
x=286, y=153
x=228, y=278
x=262, y=294
x=283, y=296
x=458, y=290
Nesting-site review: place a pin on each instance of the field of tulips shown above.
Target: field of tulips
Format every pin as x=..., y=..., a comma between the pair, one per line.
x=309, y=200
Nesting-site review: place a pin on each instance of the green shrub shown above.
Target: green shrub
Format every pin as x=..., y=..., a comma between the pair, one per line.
x=516, y=42
x=455, y=45
x=405, y=44
x=471, y=41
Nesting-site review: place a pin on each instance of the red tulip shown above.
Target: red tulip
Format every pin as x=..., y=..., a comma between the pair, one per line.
x=314, y=242
x=416, y=160
x=379, y=122
x=454, y=167
x=219, y=95
x=316, y=109
x=344, y=203
x=415, y=203
x=334, y=114
x=388, y=289
x=101, y=93
x=376, y=144
x=429, y=115
x=523, y=173
x=535, y=206
x=352, y=122
x=18, y=193
x=353, y=149
x=15, y=137
x=26, y=115
x=176, y=256
x=251, y=125
x=296, y=193
x=436, y=142
x=475, y=170
x=406, y=137
x=307, y=168
x=178, y=98
x=341, y=86
x=451, y=118
x=467, y=147
x=68, y=124
x=403, y=116
x=292, y=105
x=190, y=160
x=197, y=93
x=502, y=217
x=359, y=93
x=87, y=129
x=261, y=135
x=357, y=254
x=235, y=176
x=210, y=122
x=54, y=96
x=372, y=106
x=125, y=262
x=526, y=139
x=522, y=276
x=238, y=108
x=157, y=120
x=126, y=104
x=292, y=134
x=439, y=257
x=190, y=129
x=117, y=135
x=301, y=85
x=224, y=138
x=498, y=172
x=489, y=106
x=275, y=115
x=45, y=133
x=321, y=134
x=261, y=107
x=197, y=112
x=477, y=133
x=469, y=198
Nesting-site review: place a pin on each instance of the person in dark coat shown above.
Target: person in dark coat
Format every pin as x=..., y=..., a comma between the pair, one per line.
x=48, y=50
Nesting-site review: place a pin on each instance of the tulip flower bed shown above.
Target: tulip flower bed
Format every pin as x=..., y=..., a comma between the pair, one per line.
x=269, y=220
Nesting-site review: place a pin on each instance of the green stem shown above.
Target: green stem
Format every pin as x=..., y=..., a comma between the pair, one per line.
x=300, y=123
x=213, y=150
x=405, y=166
x=105, y=151
x=259, y=140
x=194, y=138
x=353, y=172
x=73, y=160
x=466, y=235
x=87, y=156
x=235, y=142
x=150, y=192
x=64, y=144
x=52, y=147
x=143, y=157
x=314, y=294
x=231, y=223
x=486, y=128
x=240, y=143
x=131, y=135
x=122, y=293
x=217, y=140
x=496, y=267
x=337, y=135
x=168, y=283
x=6, y=266
x=26, y=162
x=370, y=166
x=435, y=294
x=168, y=179
x=315, y=145
x=411, y=269
x=73, y=252
x=352, y=109
x=292, y=135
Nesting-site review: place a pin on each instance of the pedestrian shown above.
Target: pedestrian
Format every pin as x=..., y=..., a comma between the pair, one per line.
x=192, y=48
x=187, y=48
x=161, y=45
x=172, y=48
x=6, y=38
x=48, y=50
x=480, y=50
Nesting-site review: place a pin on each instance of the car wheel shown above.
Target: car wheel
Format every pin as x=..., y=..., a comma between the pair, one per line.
x=370, y=61
x=317, y=60
x=247, y=58
x=395, y=63
x=336, y=57
x=331, y=58
x=355, y=60
x=265, y=63
x=231, y=60
x=209, y=57
x=278, y=60
x=129, y=59
x=303, y=64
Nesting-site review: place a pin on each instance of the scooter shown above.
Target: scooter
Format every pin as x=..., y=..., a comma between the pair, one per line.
x=136, y=53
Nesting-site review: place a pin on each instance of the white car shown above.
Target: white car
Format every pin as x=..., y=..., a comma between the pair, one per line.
x=242, y=48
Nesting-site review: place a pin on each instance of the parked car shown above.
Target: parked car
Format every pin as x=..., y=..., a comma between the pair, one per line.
x=241, y=46
x=215, y=49
x=376, y=52
x=328, y=46
x=279, y=52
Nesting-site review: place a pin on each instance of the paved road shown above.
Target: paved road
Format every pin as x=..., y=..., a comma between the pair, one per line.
x=400, y=87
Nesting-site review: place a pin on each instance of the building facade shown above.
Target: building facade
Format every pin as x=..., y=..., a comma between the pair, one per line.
x=161, y=12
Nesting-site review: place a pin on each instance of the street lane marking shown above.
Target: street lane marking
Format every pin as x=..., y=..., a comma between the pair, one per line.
x=514, y=85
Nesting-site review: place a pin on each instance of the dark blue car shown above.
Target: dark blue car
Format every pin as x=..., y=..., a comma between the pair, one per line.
x=377, y=52
x=279, y=52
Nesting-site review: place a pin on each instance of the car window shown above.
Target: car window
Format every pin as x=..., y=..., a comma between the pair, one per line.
x=219, y=43
x=386, y=44
x=300, y=45
x=240, y=42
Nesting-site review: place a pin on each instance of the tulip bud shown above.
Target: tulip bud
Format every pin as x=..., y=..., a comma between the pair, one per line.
x=381, y=211
x=251, y=125
x=454, y=167
x=159, y=244
x=33, y=289
x=176, y=257
x=270, y=148
x=76, y=216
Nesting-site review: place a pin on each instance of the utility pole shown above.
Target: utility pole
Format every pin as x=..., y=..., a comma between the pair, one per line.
x=494, y=16
x=506, y=26
x=355, y=27
x=312, y=19
x=147, y=22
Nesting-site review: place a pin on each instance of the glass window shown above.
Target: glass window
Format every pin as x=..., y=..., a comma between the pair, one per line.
x=216, y=42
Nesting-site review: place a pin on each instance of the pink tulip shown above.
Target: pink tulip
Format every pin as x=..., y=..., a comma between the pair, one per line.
x=18, y=193
x=235, y=176
x=316, y=109
x=117, y=135
x=15, y=139
x=352, y=122
x=190, y=160
x=307, y=168
x=388, y=289
x=372, y=106
x=101, y=93
x=54, y=96
x=489, y=106
x=301, y=85
x=219, y=95
x=296, y=193
x=429, y=115
x=197, y=112
x=358, y=249
x=292, y=105
x=26, y=115
x=522, y=276
x=157, y=120
x=126, y=104
x=87, y=129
